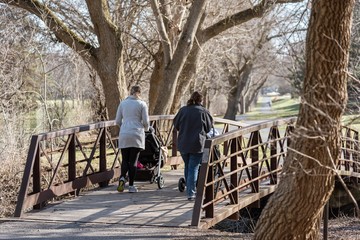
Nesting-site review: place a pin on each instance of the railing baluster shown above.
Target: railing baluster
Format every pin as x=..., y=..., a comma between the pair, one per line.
x=273, y=154
x=37, y=176
x=254, y=154
x=356, y=152
x=209, y=193
x=201, y=191
x=102, y=159
x=347, y=149
x=174, y=148
x=234, y=176
x=33, y=152
x=72, y=160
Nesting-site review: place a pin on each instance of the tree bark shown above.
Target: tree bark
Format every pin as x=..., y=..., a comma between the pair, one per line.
x=186, y=77
x=294, y=211
x=156, y=80
x=107, y=59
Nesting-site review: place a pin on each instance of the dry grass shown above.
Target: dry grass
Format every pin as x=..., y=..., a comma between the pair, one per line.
x=11, y=172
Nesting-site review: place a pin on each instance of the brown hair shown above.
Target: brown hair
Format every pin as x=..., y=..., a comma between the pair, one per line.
x=135, y=89
x=196, y=98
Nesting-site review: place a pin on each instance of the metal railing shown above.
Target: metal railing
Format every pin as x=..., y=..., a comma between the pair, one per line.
x=63, y=162
x=249, y=166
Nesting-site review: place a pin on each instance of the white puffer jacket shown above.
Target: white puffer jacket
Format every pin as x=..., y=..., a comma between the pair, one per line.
x=133, y=119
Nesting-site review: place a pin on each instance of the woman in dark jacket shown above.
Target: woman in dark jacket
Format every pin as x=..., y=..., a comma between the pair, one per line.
x=192, y=121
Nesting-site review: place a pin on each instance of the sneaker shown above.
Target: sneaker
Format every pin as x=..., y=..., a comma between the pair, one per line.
x=133, y=189
x=192, y=198
x=121, y=186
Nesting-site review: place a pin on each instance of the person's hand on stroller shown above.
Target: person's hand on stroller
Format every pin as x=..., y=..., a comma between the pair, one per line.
x=151, y=129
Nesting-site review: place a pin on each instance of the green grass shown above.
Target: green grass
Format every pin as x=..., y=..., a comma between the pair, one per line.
x=352, y=121
x=281, y=107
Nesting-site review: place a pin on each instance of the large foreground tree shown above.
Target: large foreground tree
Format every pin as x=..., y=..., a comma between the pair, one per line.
x=307, y=181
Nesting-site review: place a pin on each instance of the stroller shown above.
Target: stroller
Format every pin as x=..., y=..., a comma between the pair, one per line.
x=151, y=160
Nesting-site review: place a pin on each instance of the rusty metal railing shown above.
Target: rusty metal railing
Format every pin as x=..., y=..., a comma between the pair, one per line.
x=252, y=158
x=63, y=162
x=246, y=162
x=349, y=161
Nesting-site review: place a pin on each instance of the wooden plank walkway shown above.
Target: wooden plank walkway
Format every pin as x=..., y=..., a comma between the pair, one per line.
x=167, y=207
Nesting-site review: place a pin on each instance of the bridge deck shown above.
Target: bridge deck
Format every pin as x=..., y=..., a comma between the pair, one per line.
x=151, y=206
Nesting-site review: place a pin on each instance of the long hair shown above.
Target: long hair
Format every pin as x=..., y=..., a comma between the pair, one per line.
x=196, y=98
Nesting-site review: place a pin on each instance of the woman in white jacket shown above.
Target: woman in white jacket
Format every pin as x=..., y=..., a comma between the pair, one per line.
x=133, y=119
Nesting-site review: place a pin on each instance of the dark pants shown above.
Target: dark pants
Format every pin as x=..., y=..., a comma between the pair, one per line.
x=129, y=161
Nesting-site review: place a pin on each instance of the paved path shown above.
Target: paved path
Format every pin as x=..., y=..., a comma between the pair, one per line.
x=151, y=213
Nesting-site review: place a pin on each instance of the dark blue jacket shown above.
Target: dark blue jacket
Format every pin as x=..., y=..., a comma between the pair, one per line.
x=192, y=122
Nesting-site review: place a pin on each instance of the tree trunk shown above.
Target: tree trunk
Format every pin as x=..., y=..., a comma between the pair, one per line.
x=235, y=94
x=113, y=90
x=186, y=77
x=156, y=80
x=175, y=64
x=253, y=92
x=107, y=59
x=232, y=104
x=294, y=211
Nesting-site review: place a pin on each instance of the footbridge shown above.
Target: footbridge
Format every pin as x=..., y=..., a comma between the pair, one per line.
x=62, y=164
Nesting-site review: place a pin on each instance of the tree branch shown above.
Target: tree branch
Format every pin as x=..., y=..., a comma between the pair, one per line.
x=165, y=41
x=238, y=18
x=61, y=31
x=188, y=34
x=100, y=16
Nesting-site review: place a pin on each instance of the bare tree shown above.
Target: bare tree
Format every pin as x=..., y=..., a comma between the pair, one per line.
x=293, y=212
x=234, y=15
x=95, y=30
x=16, y=72
x=93, y=35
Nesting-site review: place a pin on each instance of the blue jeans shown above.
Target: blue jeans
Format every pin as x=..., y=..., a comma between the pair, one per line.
x=192, y=163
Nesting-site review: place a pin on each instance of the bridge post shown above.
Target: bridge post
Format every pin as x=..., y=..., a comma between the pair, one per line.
x=234, y=176
x=254, y=154
x=37, y=176
x=209, y=192
x=225, y=150
x=32, y=154
x=174, y=149
x=289, y=131
x=102, y=160
x=72, y=160
x=356, y=152
x=273, y=154
x=206, y=192
x=347, y=149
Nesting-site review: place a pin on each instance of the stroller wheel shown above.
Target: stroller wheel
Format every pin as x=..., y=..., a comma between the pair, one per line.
x=181, y=184
x=160, y=181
